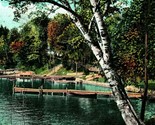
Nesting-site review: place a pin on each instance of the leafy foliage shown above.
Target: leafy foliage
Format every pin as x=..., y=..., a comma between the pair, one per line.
x=4, y=48
x=16, y=46
x=53, y=32
x=67, y=42
x=126, y=26
x=127, y=31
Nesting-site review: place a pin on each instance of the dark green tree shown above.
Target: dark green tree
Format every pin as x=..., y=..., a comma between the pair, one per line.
x=33, y=53
x=5, y=57
x=66, y=41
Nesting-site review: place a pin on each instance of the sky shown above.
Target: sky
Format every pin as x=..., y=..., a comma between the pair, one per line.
x=6, y=16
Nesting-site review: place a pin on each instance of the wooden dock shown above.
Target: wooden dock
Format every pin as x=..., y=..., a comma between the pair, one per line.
x=39, y=77
x=68, y=91
x=61, y=79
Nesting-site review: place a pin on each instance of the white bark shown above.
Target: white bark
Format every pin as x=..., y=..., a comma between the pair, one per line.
x=86, y=35
x=121, y=99
x=103, y=34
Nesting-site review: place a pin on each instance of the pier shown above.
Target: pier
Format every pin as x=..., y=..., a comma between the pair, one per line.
x=69, y=92
x=67, y=78
x=31, y=78
x=60, y=79
x=63, y=91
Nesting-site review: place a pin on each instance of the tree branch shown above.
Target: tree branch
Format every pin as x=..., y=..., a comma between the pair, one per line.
x=107, y=5
x=48, y=1
x=90, y=24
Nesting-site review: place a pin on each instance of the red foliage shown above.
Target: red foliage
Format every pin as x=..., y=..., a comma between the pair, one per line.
x=131, y=64
x=16, y=46
x=53, y=30
x=132, y=34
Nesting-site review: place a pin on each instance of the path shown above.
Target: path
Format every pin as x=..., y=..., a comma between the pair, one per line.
x=54, y=69
x=92, y=76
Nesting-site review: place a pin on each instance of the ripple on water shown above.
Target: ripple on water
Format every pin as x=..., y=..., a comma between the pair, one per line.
x=56, y=110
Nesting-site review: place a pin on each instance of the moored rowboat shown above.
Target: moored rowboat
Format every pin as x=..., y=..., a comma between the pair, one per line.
x=86, y=94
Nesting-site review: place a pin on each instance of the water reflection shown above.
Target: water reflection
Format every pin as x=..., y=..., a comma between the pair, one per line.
x=32, y=109
x=55, y=85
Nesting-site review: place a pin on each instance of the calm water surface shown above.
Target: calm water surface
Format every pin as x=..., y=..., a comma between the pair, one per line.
x=32, y=109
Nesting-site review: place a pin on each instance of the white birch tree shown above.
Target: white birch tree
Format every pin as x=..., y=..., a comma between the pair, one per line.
x=102, y=52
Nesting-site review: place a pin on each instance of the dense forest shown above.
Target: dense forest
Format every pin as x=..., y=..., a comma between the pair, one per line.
x=44, y=42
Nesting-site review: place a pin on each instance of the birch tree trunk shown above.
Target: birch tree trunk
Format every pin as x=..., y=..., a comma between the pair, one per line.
x=123, y=103
x=121, y=99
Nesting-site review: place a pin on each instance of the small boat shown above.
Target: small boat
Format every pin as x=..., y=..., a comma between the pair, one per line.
x=84, y=94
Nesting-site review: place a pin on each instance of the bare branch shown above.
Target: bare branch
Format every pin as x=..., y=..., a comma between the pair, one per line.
x=90, y=24
x=106, y=7
x=93, y=17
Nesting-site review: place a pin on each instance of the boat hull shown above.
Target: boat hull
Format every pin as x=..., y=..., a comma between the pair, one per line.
x=85, y=95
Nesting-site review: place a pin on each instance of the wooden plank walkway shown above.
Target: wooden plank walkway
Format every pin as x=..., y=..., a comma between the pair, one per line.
x=66, y=81
x=56, y=79
x=33, y=77
x=68, y=91
x=19, y=89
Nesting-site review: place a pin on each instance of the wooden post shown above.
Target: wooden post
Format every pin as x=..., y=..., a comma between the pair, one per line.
x=144, y=100
x=142, y=115
x=14, y=84
x=66, y=91
x=13, y=90
x=41, y=90
x=76, y=69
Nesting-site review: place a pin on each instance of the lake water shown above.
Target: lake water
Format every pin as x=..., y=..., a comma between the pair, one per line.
x=29, y=109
